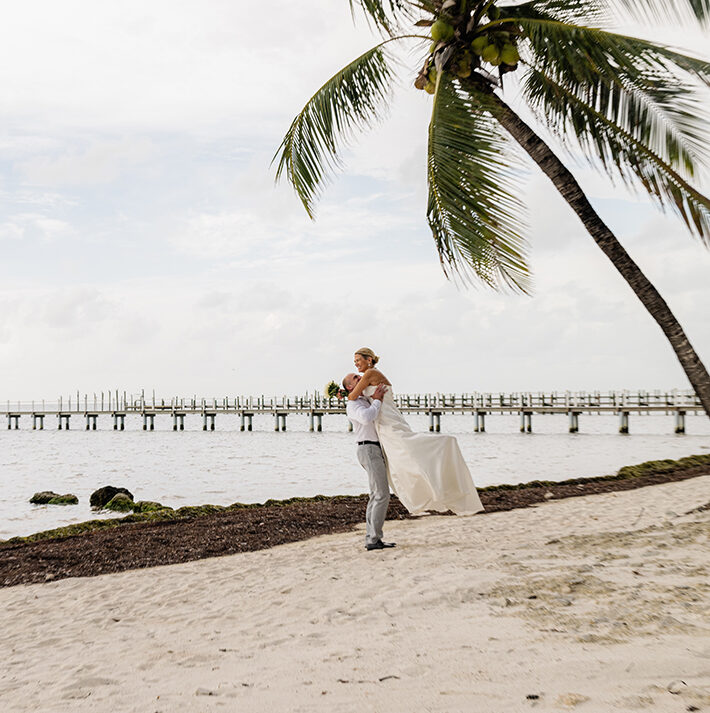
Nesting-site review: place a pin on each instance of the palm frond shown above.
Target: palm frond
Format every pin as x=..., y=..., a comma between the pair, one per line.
x=583, y=49
x=388, y=16
x=663, y=11
x=617, y=150
x=632, y=82
x=353, y=99
x=474, y=214
x=654, y=11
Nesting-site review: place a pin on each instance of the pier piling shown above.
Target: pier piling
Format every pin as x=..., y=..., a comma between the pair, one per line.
x=205, y=417
x=479, y=422
x=525, y=422
x=246, y=421
x=574, y=422
x=680, y=421
x=315, y=421
x=38, y=417
x=624, y=422
x=91, y=420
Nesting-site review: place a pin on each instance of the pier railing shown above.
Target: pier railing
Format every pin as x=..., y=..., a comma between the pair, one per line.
x=573, y=403
x=110, y=402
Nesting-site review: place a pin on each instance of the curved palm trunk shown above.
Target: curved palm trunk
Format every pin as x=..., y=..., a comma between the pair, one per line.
x=567, y=185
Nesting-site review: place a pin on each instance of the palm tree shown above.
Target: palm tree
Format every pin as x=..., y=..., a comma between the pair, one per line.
x=631, y=107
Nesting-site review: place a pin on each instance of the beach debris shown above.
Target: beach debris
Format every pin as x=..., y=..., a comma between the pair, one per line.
x=103, y=495
x=702, y=508
x=549, y=495
x=533, y=697
x=120, y=503
x=570, y=700
x=48, y=497
x=206, y=692
x=676, y=687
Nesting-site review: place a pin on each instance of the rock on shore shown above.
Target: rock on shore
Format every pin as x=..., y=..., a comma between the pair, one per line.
x=49, y=497
x=101, y=497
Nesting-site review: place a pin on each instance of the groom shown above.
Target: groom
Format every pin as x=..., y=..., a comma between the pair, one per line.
x=362, y=415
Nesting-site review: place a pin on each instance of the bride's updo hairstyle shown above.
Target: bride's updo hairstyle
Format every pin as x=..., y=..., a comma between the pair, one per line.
x=367, y=353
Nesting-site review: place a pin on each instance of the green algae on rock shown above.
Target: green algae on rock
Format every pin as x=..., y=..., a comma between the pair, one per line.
x=48, y=497
x=120, y=503
x=100, y=497
x=651, y=467
x=67, y=499
x=148, y=506
x=190, y=511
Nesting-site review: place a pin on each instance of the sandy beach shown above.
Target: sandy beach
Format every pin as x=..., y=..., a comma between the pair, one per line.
x=598, y=603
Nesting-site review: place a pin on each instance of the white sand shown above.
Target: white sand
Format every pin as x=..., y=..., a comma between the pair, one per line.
x=443, y=623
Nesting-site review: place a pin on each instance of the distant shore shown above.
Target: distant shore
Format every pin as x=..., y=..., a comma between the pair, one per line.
x=151, y=539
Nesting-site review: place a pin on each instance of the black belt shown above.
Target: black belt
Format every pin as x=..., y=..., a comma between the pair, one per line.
x=369, y=443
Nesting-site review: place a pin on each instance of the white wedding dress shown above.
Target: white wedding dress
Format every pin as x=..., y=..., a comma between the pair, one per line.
x=426, y=470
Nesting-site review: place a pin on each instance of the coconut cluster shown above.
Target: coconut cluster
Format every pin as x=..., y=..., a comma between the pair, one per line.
x=473, y=46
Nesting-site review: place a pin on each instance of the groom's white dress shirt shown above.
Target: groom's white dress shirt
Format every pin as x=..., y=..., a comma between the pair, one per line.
x=362, y=415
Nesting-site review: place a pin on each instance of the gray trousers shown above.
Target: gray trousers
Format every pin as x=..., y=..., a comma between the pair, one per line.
x=372, y=460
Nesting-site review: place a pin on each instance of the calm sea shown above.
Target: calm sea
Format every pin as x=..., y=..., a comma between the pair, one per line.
x=225, y=466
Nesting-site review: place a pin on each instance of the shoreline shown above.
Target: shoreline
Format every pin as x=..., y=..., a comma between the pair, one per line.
x=158, y=538
x=595, y=603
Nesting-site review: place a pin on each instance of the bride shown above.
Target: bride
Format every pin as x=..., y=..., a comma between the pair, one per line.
x=426, y=471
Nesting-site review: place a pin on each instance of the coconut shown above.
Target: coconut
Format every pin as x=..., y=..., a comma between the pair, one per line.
x=479, y=44
x=509, y=54
x=430, y=88
x=441, y=31
x=490, y=54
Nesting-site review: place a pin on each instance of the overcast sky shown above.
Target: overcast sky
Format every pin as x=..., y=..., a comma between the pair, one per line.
x=145, y=246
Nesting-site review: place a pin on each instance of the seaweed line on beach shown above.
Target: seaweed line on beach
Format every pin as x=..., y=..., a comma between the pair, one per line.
x=159, y=537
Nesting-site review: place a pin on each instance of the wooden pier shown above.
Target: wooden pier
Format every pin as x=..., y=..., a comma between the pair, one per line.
x=115, y=405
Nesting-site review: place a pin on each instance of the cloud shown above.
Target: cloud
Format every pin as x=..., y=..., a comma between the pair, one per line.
x=35, y=226
x=137, y=164
x=99, y=162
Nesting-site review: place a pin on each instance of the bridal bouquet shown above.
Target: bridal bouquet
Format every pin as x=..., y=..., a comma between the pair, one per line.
x=334, y=391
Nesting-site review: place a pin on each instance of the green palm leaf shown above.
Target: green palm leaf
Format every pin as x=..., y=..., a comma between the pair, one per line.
x=657, y=11
x=661, y=11
x=619, y=152
x=351, y=100
x=553, y=36
x=389, y=16
x=473, y=212
x=630, y=81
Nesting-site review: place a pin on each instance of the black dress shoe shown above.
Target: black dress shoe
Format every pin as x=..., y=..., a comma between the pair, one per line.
x=379, y=545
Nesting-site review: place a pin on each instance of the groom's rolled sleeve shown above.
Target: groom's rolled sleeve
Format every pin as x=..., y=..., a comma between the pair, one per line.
x=358, y=411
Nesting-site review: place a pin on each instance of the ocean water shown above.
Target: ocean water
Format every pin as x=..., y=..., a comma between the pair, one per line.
x=224, y=466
